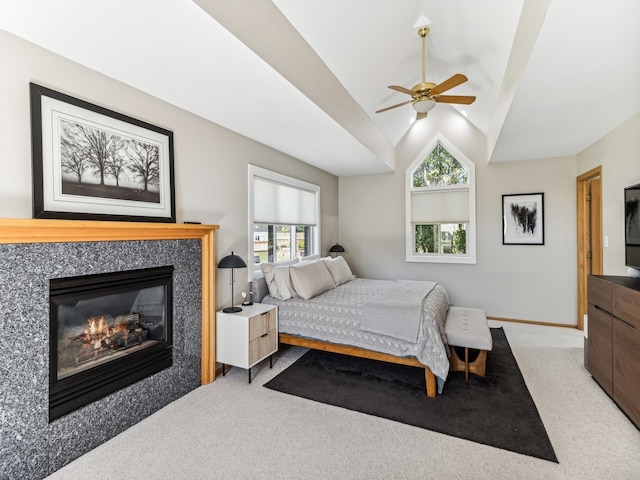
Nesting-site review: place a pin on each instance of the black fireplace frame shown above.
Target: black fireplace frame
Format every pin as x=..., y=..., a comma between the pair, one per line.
x=73, y=392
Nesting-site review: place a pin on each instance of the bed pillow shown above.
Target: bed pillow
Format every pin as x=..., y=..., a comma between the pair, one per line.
x=284, y=287
x=259, y=288
x=311, y=278
x=267, y=271
x=310, y=258
x=339, y=270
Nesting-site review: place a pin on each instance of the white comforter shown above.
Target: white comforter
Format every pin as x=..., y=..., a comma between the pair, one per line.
x=335, y=316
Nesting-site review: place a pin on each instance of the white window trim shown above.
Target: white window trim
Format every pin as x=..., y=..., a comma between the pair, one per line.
x=470, y=256
x=255, y=171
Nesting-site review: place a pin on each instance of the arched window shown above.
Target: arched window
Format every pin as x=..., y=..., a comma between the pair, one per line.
x=440, y=206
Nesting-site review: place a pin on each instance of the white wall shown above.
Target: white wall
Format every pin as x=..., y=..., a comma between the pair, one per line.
x=619, y=155
x=536, y=283
x=210, y=161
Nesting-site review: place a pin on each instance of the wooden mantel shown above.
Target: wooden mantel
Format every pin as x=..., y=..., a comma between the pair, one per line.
x=14, y=230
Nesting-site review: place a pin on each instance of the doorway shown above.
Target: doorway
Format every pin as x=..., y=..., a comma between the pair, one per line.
x=589, y=198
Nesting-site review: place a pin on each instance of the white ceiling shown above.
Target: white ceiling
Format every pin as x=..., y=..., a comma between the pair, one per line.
x=550, y=76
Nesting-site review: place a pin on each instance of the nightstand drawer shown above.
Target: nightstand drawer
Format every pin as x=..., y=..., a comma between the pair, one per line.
x=262, y=346
x=262, y=324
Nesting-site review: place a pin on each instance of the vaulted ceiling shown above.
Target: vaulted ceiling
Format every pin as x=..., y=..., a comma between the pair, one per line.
x=550, y=76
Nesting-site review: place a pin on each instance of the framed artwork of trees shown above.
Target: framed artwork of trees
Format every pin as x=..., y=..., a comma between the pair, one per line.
x=91, y=163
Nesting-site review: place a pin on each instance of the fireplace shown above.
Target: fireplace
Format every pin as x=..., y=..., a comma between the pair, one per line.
x=107, y=331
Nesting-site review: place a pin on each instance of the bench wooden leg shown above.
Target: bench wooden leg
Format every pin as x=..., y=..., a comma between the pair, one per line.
x=478, y=366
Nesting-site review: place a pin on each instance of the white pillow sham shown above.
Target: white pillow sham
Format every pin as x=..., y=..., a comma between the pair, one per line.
x=310, y=258
x=310, y=279
x=339, y=270
x=282, y=280
x=267, y=271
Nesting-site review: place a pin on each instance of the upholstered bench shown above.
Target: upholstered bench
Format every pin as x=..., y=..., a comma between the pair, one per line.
x=468, y=328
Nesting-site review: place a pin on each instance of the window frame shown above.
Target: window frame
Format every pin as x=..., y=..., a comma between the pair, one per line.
x=411, y=255
x=255, y=171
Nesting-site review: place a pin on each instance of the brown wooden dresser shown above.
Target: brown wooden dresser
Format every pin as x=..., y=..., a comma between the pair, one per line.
x=613, y=345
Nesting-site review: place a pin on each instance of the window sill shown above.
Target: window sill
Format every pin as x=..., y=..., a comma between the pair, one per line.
x=457, y=259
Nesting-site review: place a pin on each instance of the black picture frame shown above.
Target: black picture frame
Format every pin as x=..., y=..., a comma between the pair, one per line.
x=92, y=163
x=523, y=219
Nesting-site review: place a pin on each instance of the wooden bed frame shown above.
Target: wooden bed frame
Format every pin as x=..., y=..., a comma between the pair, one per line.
x=362, y=353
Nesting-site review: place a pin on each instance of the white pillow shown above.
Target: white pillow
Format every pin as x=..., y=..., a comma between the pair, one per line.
x=311, y=278
x=339, y=270
x=310, y=258
x=282, y=280
x=267, y=271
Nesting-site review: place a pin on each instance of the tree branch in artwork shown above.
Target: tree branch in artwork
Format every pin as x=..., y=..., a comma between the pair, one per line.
x=87, y=148
x=144, y=163
x=74, y=158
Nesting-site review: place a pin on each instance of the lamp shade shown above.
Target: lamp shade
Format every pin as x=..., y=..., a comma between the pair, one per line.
x=232, y=261
x=423, y=106
x=336, y=249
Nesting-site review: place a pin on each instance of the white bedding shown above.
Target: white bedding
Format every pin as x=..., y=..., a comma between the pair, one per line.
x=335, y=316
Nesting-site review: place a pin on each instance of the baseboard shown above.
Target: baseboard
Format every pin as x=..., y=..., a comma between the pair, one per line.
x=531, y=322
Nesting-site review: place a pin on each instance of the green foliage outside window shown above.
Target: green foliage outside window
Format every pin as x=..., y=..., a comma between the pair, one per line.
x=459, y=240
x=425, y=238
x=441, y=238
x=440, y=168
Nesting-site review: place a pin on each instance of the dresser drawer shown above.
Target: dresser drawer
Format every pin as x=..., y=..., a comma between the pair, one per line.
x=626, y=305
x=599, y=293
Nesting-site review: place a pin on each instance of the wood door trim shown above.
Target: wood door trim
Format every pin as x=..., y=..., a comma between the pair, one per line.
x=582, y=185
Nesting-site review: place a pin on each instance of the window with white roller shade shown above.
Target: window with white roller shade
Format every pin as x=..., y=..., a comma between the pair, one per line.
x=284, y=218
x=439, y=205
x=278, y=203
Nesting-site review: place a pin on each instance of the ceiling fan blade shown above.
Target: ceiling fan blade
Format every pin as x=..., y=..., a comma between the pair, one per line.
x=449, y=83
x=420, y=115
x=402, y=90
x=463, y=99
x=394, y=106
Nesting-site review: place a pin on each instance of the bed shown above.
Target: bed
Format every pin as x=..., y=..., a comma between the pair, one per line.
x=336, y=316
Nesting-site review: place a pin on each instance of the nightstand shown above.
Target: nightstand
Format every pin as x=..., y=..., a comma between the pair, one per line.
x=245, y=338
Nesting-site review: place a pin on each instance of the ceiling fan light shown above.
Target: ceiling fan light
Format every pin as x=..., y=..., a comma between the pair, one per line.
x=423, y=106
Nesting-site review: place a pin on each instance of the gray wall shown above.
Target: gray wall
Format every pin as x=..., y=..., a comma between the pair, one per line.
x=619, y=155
x=210, y=161
x=537, y=283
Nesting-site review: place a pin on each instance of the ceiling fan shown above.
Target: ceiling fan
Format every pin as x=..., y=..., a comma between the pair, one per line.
x=425, y=95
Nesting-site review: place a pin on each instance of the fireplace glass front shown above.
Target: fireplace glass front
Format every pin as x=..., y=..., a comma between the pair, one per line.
x=107, y=331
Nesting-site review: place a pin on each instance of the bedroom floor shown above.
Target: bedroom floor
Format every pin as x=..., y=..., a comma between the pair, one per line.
x=234, y=430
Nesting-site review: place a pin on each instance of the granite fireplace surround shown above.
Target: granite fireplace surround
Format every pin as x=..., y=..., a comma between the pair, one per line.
x=30, y=446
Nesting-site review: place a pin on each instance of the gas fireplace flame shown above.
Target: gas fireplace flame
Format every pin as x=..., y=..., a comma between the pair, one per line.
x=97, y=331
x=97, y=326
x=101, y=335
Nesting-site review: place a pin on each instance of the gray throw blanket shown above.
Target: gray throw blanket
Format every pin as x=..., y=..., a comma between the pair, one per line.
x=397, y=312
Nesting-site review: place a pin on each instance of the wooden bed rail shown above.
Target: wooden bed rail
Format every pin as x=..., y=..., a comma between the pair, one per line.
x=429, y=377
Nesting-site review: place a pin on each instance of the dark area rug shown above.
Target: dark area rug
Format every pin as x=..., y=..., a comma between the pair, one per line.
x=496, y=410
